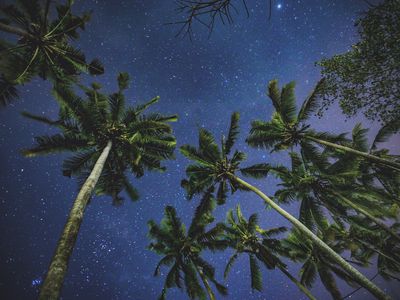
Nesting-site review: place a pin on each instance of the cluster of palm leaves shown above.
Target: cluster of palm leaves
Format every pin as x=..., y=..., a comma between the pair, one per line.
x=347, y=194
x=40, y=46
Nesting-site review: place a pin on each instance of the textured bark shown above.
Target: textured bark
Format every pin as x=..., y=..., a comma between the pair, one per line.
x=16, y=30
x=206, y=284
x=369, y=216
x=370, y=157
x=53, y=282
x=357, y=276
x=296, y=282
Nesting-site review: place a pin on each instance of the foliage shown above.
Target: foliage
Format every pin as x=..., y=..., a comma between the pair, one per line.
x=182, y=249
x=365, y=79
x=214, y=165
x=139, y=142
x=43, y=47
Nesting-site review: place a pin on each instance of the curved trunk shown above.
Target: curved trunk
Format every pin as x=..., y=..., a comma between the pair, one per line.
x=370, y=157
x=206, y=284
x=16, y=30
x=358, y=277
x=52, y=284
x=369, y=216
x=296, y=282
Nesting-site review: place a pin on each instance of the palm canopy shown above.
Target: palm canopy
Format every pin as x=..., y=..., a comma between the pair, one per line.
x=182, y=249
x=368, y=243
x=139, y=142
x=315, y=262
x=333, y=188
x=287, y=128
x=214, y=165
x=43, y=46
x=245, y=236
x=372, y=173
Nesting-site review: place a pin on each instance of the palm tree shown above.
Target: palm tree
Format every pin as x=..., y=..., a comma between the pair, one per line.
x=334, y=188
x=181, y=249
x=372, y=173
x=316, y=262
x=109, y=140
x=247, y=237
x=366, y=240
x=287, y=129
x=43, y=47
x=213, y=167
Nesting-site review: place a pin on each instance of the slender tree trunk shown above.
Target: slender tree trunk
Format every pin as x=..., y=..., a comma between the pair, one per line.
x=369, y=216
x=370, y=157
x=206, y=284
x=15, y=30
x=296, y=282
x=53, y=282
x=357, y=276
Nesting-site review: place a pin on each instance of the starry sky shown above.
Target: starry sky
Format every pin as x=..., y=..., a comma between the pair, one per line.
x=203, y=81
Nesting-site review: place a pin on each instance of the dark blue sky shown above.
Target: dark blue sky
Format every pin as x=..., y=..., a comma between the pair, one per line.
x=204, y=82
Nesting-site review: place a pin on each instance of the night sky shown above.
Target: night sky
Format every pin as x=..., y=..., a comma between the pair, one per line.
x=202, y=81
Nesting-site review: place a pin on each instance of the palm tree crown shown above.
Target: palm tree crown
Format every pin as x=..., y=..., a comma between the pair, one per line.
x=287, y=128
x=316, y=262
x=213, y=165
x=43, y=47
x=182, y=250
x=139, y=141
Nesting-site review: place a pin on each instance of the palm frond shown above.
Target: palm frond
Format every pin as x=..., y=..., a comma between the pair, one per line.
x=255, y=273
x=233, y=133
x=256, y=171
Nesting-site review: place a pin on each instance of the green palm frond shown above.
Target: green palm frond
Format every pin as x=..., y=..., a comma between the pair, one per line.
x=230, y=263
x=56, y=143
x=8, y=92
x=256, y=171
x=255, y=273
x=232, y=134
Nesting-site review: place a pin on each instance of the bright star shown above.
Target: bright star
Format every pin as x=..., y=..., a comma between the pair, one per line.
x=279, y=6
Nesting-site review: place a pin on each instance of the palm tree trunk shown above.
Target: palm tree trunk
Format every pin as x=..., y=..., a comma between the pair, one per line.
x=52, y=284
x=358, y=277
x=15, y=30
x=206, y=284
x=368, y=215
x=296, y=282
x=370, y=157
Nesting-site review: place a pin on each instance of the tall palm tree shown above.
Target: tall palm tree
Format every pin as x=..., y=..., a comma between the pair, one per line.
x=316, y=262
x=287, y=129
x=109, y=140
x=333, y=188
x=43, y=46
x=213, y=167
x=245, y=236
x=182, y=249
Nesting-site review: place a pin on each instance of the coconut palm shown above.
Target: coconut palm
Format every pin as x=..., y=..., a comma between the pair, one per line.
x=245, y=236
x=110, y=140
x=182, y=249
x=316, y=262
x=43, y=46
x=372, y=173
x=367, y=242
x=333, y=188
x=287, y=129
x=212, y=167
